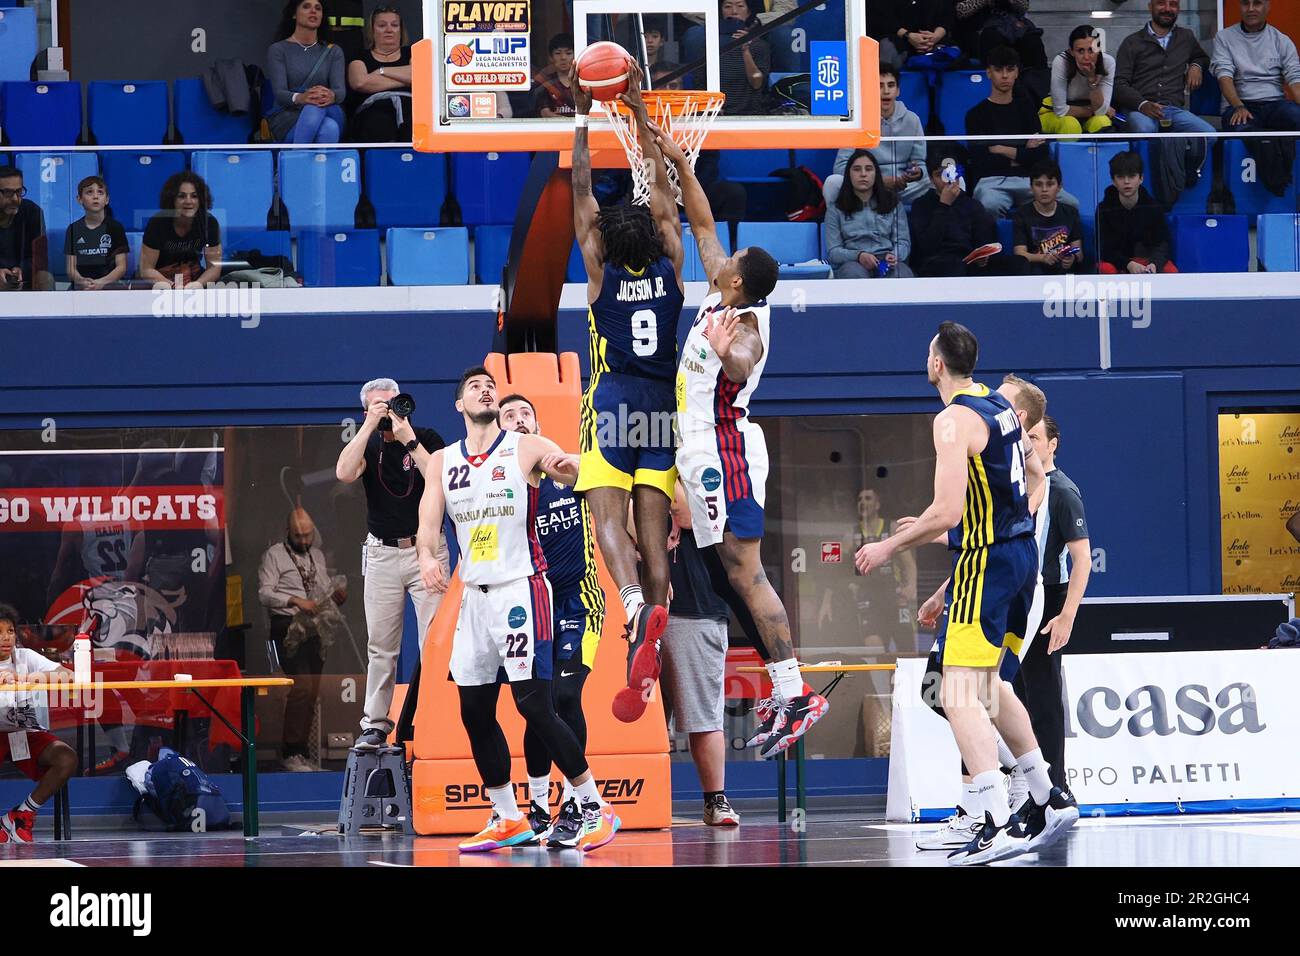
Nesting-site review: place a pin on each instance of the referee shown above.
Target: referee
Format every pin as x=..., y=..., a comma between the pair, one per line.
x=1039, y=682
x=389, y=456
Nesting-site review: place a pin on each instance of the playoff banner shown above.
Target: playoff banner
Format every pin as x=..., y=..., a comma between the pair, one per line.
x=135, y=538
x=1143, y=731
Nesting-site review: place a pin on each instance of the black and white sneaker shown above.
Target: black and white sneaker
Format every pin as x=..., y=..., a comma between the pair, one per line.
x=793, y=719
x=957, y=831
x=1046, y=824
x=371, y=739
x=566, y=830
x=992, y=843
x=539, y=818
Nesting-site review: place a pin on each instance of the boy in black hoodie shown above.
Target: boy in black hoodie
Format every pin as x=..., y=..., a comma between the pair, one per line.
x=947, y=225
x=1131, y=228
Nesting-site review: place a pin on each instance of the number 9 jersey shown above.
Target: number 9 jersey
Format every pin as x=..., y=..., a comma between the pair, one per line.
x=633, y=321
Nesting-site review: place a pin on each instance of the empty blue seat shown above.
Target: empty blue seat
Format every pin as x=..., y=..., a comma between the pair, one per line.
x=134, y=240
x=1006, y=235
x=954, y=96
x=820, y=161
x=789, y=243
x=752, y=165
x=266, y=242
x=127, y=114
x=488, y=186
x=320, y=188
x=1206, y=101
x=19, y=43
x=1085, y=172
x=199, y=123
x=692, y=266
x=405, y=187
x=347, y=258
x=1210, y=243
x=491, y=250
x=41, y=114
x=428, y=256
x=51, y=180
x=241, y=183
x=1277, y=241
x=914, y=91
x=134, y=182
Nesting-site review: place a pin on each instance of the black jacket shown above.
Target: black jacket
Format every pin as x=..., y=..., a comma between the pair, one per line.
x=1137, y=233
x=956, y=230
x=1146, y=71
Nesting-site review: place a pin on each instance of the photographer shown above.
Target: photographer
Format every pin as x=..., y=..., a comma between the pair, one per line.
x=389, y=456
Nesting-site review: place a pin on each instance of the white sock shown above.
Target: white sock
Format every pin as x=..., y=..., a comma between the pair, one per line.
x=567, y=795
x=587, y=793
x=991, y=794
x=539, y=790
x=632, y=600
x=503, y=802
x=1034, y=767
x=786, y=678
x=970, y=799
x=30, y=804
x=1005, y=756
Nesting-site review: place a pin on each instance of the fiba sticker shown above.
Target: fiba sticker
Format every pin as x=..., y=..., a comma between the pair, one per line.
x=458, y=106
x=711, y=479
x=518, y=616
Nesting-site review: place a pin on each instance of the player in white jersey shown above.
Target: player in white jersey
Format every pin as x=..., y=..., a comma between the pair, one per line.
x=487, y=483
x=722, y=456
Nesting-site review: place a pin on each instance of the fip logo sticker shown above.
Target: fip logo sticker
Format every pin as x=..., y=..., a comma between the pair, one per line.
x=830, y=77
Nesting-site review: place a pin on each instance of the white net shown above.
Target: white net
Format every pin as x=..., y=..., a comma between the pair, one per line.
x=685, y=115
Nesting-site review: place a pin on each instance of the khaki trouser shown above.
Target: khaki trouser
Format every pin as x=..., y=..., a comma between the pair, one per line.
x=391, y=574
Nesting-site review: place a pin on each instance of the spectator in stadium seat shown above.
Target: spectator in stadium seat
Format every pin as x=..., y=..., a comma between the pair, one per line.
x=779, y=40
x=553, y=95
x=182, y=243
x=1001, y=168
x=866, y=227
x=1046, y=231
x=921, y=31
x=743, y=72
x=1083, y=81
x=379, y=81
x=22, y=237
x=1132, y=234
x=654, y=43
x=1155, y=69
x=307, y=76
x=1255, y=64
x=95, y=245
x=947, y=225
x=902, y=163
x=985, y=25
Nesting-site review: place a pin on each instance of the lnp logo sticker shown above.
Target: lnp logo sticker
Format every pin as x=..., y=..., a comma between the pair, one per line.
x=711, y=479
x=518, y=616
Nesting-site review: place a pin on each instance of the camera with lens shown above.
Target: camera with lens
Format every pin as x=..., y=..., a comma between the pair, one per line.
x=400, y=406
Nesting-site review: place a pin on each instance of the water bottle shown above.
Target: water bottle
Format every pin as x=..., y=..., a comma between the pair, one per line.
x=81, y=660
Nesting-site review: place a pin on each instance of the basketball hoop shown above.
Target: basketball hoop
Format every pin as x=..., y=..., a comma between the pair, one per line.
x=685, y=115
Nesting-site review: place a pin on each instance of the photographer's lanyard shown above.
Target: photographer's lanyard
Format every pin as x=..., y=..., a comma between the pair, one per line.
x=410, y=486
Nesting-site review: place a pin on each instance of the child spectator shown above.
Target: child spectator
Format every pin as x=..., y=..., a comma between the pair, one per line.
x=95, y=245
x=1001, y=168
x=22, y=237
x=1046, y=231
x=866, y=227
x=1083, y=79
x=554, y=96
x=35, y=751
x=654, y=43
x=379, y=80
x=182, y=243
x=902, y=163
x=947, y=225
x=1131, y=227
x=307, y=76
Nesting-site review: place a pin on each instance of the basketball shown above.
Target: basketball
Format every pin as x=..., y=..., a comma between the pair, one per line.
x=460, y=55
x=602, y=69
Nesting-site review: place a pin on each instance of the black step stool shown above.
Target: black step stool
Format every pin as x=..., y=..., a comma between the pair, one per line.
x=376, y=792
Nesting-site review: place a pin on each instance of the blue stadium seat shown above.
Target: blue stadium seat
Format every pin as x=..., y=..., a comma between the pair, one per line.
x=134, y=240
x=134, y=182
x=488, y=186
x=825, y=22
x=19, y=43
x=41, y=114
x=914, y=91
x=692, y=267
x=820, y=161
x=1190, y=201
x=491, y=250
x=1206, y=101
x=51, y=180
x=320, y=188
x=428, y=256
x=789, y=243
x=266, y=242
x=127, y=114
x=1006, y=235
x=576, y=271
x=346, y=258
x=242, y=185
x=956, y=93
x=1252, y=197
x=1277, y=239
x=405, y=187
x=1210, y=243
x=752, y=165
x=200, y=124
x=1085, y=172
